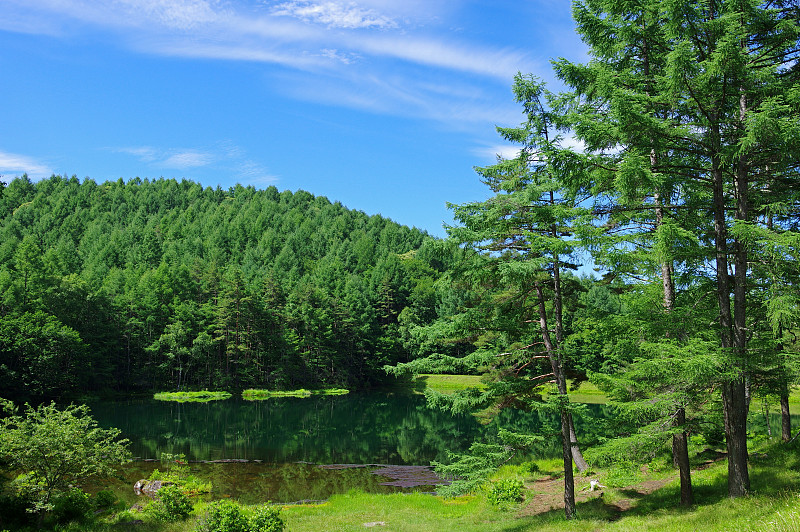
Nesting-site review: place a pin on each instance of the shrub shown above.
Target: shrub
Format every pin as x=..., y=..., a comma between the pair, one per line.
x=72, y=505
x=228, y=516
x=266, y=519
x=171, y=504
x=508, y=490
x=224, y=516
x=104, y=499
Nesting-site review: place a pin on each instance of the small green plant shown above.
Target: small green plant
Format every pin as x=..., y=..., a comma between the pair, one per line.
x=170, y=504
x=72, y=505
x=266, y=519
x=228, y=516
x=224, y=516
x=177, y=471
x=104, y=499
x=503, y=491
x=529, y=468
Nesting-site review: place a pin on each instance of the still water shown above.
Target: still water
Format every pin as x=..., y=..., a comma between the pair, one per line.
x=286, y=439
x=358, y=428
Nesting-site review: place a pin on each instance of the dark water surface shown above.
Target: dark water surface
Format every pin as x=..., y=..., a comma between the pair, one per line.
x=359, y=428
x=286, y=440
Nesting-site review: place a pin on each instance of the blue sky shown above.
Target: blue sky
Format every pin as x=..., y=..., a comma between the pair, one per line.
x=383, y=105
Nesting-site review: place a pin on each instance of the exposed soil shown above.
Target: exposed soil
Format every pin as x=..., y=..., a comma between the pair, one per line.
x=549, y=494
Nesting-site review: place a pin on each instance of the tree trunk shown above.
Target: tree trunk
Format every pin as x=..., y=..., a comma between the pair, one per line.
x=680, y=454
x=738, y=476
x=577, y=455
x=569, y=481
x=561, y=383
x=680, y=447
x=786, y=420
x=733, y=398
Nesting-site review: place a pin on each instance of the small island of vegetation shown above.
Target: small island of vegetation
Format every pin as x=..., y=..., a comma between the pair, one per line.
x=196, y=397
x=253, y=394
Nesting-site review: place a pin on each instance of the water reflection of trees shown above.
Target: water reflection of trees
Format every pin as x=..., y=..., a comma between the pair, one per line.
x=356, y=428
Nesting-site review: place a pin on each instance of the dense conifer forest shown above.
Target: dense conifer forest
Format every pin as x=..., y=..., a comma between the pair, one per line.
x=169, y=285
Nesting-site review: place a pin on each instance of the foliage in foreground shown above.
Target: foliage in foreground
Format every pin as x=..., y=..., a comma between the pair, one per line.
x=57, y=450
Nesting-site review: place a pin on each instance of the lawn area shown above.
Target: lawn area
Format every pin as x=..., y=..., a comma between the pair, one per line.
x=447, y=383
x=649, y=502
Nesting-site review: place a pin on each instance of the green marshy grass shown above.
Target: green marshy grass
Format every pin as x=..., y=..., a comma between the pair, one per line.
x=183, y=397
x=253, y=394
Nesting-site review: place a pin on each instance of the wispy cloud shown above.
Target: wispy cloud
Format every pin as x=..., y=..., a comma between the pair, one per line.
x=230, y=160
x=188, y=159
x=334, y=14
x=374, y=55
x=490, y=153
x=22, y=164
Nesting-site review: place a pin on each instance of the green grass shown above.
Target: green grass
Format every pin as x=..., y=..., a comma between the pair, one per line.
x=252, y=394
x=773, y=505
x=447, y=383
x=184, y=397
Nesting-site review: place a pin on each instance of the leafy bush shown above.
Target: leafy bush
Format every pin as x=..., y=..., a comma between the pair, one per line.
x=507, y=490
x=71, y=505
x=16, y=512
x=171, y=504
x=224, y=516
x=228, y=516
x=266, y=519
x=104, y=499
x=57, y=449
x=178, y=472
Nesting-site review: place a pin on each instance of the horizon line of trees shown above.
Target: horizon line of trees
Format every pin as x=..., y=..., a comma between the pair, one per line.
x=151, y=285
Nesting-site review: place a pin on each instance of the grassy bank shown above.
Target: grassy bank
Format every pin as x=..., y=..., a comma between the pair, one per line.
x=184, y=397
x=642, y=499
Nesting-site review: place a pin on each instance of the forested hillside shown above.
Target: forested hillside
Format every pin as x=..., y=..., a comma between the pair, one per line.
x=169, y=285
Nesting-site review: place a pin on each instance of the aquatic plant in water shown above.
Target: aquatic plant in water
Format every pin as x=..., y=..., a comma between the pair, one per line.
x=183, y=397
x=253, y=394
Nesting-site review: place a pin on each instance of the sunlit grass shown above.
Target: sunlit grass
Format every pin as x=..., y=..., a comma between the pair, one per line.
x=184, y=397
x=253, y=394
x=448, y=383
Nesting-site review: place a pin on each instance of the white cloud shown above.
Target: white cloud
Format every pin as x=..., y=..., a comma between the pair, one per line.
x=498, y=63
x=491, y=152
x=226, y=157
x=334, y=14
x=188, y=159
x=21, y=164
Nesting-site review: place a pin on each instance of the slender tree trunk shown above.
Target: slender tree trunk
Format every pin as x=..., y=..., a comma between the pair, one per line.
x=558, y=306
x=738, y=475
x=680, y=447
x=569, y=481
x=577, y=455
x=733, y=399
x=680, y=452
x=561, y=383
x=786, y=419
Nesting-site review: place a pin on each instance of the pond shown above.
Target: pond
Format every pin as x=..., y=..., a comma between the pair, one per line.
x=273, y=449
x=288, y=449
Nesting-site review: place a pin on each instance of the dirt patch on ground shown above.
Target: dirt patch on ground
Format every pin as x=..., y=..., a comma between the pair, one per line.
x=548, y=494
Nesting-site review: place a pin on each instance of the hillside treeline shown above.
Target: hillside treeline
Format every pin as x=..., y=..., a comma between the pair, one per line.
x=169, y=285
